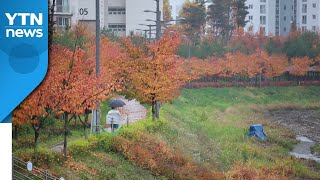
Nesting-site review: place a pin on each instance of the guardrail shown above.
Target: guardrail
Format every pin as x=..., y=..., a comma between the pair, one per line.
x=25, y=171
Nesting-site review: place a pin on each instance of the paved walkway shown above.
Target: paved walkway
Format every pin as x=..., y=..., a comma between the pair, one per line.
x=133, y=110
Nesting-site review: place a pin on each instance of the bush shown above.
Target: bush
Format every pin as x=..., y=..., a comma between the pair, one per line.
x=105, y=142
x=23, y=142
x=156, y=156
x=45, y=156
x=82, y=146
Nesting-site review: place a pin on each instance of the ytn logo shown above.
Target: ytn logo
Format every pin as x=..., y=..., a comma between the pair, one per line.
x=24, y=25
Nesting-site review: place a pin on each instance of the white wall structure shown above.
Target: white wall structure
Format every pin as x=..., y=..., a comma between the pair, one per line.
x=118, y=16
x=276, y=17
x=176, y=7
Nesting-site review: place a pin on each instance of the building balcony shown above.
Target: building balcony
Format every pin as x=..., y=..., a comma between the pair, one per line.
x=62, y=9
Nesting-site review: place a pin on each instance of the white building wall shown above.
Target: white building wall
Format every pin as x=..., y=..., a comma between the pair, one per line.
x=254, y=12
x=286, y=16
x=270, y=17
x=84, y=11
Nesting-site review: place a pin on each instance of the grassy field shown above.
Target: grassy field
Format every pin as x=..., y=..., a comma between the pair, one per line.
x=207, y=127
x=211, y=125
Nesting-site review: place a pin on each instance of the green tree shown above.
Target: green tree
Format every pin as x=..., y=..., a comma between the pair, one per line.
x=301, y=45
x=219, y=17
x=193, y=17
x=240, y=13
x=225, y=16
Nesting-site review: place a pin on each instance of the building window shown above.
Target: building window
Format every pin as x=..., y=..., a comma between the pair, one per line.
x=304, y=0
x=314, y=5
x=250, y=6
x=262, y=20
x=262, y=9
x=63, y=21
x=62, y=6
x=250, y=29
x=250, y=18
x=263, y=30
x=117, y=27
x=285, y=7
x=285, y=29
x=263, y=1
x=285, y=18
x=314, y=28
x=115, y=11
x=304, y=19
x=304, y=28
x=304, y=8
x=314, y=16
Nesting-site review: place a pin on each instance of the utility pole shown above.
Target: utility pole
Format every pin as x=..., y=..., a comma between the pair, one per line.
x=95, y=123
x=158, y=34
x=158, y=12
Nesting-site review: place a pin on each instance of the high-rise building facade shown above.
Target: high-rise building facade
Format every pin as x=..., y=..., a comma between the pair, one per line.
x=277, y=17
x=118, y=16
x=308, y=15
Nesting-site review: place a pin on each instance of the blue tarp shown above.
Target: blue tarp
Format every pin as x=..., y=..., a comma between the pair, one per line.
x=257, y=130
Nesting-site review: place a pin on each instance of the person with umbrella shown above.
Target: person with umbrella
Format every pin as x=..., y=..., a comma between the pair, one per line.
x=113, y=118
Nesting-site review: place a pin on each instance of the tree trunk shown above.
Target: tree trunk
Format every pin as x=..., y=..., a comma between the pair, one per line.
x=51, y=23
x=153, y=110
x=158, y=109
x=86, y=119
x=66, y=115
x=15, y=133
x=36, y=142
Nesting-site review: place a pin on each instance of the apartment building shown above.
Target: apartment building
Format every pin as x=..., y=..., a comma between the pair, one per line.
x=277, y=17
x=118, y=16
x=308, y=15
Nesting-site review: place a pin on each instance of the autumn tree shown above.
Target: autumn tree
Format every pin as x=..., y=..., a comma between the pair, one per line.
x=39, y=105
x=158, y=75
x=70, y=87
x=299, y=67
x=275, y=65
x=167, y=15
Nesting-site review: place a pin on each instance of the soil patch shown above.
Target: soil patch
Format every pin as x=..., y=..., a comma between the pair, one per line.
x=302, y=122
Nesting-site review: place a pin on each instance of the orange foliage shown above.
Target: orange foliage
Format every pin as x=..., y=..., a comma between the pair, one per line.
x=249, y=40
x=300, y=66
x=158, y=157
x=239, y=64
x=71, y=84
x=251, y=173
x=158, y=74
x=275, y=65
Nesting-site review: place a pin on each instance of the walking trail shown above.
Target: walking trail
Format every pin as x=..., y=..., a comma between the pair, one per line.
x=133, y=110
